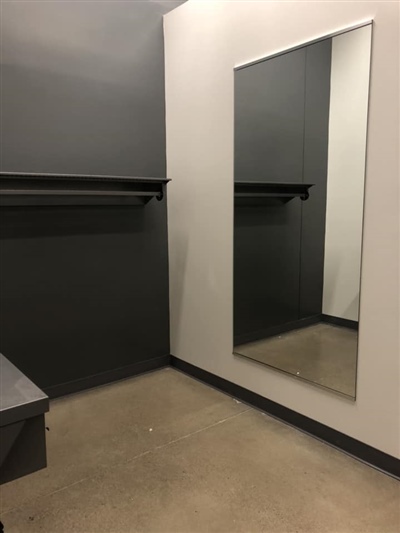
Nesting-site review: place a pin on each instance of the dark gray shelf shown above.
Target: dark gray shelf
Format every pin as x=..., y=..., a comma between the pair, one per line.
x=22, y=424
x=20, y=398
x=24, y=189
x=249, y=193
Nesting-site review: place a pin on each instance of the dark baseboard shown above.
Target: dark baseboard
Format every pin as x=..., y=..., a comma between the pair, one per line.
x=336, y=321
x=353, y=447
x=276, y=330
x=107, y=377
x=349, y=445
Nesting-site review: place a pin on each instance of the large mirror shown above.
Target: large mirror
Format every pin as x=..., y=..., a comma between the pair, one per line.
x=300, y=147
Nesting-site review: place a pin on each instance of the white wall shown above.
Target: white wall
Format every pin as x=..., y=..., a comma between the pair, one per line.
x=348, y=111
x=204, y=41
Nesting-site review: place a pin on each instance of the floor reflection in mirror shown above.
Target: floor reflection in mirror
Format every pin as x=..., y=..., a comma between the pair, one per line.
x=324, y=354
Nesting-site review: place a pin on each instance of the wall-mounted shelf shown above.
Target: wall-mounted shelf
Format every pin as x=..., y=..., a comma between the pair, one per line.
x=24, y=189
x=268, y=193
x=22, y=425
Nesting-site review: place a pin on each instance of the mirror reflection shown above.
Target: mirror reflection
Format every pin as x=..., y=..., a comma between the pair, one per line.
x=300, y=144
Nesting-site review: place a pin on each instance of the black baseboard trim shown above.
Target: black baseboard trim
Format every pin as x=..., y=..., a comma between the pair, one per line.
x=107, y=377
x=363, y=452
x=337, y=321
x=276, y=330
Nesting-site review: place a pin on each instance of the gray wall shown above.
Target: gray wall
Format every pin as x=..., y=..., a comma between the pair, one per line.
x=83, y=290
x=83, y=87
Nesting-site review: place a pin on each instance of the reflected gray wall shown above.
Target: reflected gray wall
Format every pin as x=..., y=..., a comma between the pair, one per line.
x=83, y=290
x=269, y=131
x=281, y=135
x=315, y=168
x=269, y=119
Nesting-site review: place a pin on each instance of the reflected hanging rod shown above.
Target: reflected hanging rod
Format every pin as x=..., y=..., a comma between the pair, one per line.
x=269, y=193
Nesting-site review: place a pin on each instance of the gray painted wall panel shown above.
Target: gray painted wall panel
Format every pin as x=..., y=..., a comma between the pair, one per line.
x=83, y=290
x=83, y=87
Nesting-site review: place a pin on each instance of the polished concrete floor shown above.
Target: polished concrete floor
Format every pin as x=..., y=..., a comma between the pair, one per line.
x=165, y=453
x=322, y=354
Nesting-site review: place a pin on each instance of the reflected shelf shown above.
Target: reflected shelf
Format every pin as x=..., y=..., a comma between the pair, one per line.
x=30, y=189
x=248, y=193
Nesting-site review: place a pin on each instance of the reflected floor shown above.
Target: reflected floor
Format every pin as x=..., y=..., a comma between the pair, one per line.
x=323, y=353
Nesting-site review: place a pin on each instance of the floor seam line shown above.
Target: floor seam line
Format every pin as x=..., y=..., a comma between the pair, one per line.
x=47, y=495
x=184, y=437
x=161, y=446
x=131, y=460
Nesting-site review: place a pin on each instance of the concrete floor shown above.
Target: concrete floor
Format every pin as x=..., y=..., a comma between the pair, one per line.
x=165, y=453
x=323, y=354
